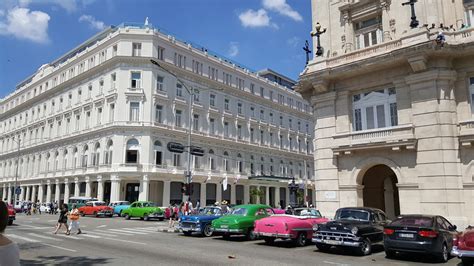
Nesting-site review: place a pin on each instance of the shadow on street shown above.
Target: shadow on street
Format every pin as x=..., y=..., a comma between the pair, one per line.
x=65, y=260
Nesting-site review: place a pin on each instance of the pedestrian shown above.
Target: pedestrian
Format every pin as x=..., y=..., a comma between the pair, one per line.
x=173, y=215
x=198, y=205
x=74, y=217
x=62, y=220
x=224, y=207
x=190, y=206
x=9, y=251
x=181, y=211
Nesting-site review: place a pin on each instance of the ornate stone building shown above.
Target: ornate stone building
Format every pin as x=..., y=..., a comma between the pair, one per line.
x=96, y=122
x=393, y=106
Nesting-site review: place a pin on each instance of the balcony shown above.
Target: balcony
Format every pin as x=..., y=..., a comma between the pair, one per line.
x=466, y=133
x=394, y=138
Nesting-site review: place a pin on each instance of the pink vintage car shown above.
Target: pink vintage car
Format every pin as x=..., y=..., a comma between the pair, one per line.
x=297, y=227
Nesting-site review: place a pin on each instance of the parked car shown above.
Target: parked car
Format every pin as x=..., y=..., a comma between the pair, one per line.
x=11, y=214
x=201, y=222
x=119, y=206
x=463, y=246
x=144, y=210
x=278, y=211
x=45, y=207
x=241, y=220
x=96, y=208
x=79, y=201
x=358, y=228
x=427, y=234
x=297, y=227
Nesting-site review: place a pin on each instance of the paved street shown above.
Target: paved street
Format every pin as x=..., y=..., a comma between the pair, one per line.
x=121, y=242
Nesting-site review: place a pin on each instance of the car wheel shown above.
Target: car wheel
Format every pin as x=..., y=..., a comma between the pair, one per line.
x=390, y=253
x=127, y=217
x=120, y=214
x=269, y=240
x=251, y=234
x=207, y=232
x=323, y=247
x=145, y=217
x=95, y=214
x=444, y=255
x=300, y=241
x=82, y=214
x=10, y=222
x=186, y=233
x=365, y=247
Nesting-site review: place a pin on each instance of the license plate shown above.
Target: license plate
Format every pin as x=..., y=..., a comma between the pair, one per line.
x=406, y=235
x=332, y=242
x=224, y=226
x=266, y=234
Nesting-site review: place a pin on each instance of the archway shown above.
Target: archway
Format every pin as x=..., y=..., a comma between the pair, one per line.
x=380, y=190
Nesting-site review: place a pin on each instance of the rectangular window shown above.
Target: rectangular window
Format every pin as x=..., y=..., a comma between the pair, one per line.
x=262, y=92
x=114, y=50
x=393, y=114
x=212, y=100
x=271, y=96
x=176, y=160
x=178, y=114
x=226, y=104
x=113, y=79
x=111, y=112
x=159, y=114
x=134, y=111
x=251, y=135
x=226, y=129
x=99, y=116
x=137, y=49
x=136, y=79
x=368, y=32
x=252, y=88
x=239, y=108
x=78, y=121
x=179, y=90
x=212, y=126
x=262, y=138
x=161, y=53
x=375, y=109
x=262, y=115
x=196, y=122
x=196, y=95
x=159, y=84
x=380, y=116
x=158, y=158
x=239, y=132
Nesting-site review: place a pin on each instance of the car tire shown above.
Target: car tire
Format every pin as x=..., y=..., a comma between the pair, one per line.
x=269, y=240
x=145, y=217
x=10, y=222
x=390, y=254
x=95, y=214
x=187, y=233
x=82, y=214
x=120, y=214
x=251, y=234
x=207, y=231
x=127, y=217
x=301, y=239
x=365, y=247
x=443, y=256
x=323, y=247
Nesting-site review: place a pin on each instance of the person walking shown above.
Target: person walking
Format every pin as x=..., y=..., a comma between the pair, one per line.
x=9, y=251
x=62, y=220
x=74, y=217
x=172, y=215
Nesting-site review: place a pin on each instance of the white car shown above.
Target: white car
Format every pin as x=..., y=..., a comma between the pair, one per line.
x=45, y=208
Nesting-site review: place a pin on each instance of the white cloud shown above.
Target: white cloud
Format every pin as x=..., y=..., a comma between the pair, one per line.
x=293, y=41
x=283, y=8
x=69, y=5
x=254, y=19
x=25, y=24
x=93, y=23
x=233, y=49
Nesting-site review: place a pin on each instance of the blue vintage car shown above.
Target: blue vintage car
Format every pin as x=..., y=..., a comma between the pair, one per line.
x=201, y=222
x=119, y=206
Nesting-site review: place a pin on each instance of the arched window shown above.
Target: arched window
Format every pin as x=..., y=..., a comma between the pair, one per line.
x=240, y=163
x=212, y=160
x=158, y=153
x=75, y=158
x=48, y=157
x=131, y=155
x=96, y=154
x=225, y=162
x=65, y=159
x=108, y=152
x=282, y=168
x=85, y=156
x=56, y=160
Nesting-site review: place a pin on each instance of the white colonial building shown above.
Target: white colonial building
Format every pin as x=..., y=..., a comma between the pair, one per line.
x=394, y=106
x=96, y=122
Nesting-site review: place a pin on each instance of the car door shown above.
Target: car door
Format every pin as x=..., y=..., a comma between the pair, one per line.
x=447, y=229
x=137, y=210
x=87, y=208
x=381, y=221
x=130, y=210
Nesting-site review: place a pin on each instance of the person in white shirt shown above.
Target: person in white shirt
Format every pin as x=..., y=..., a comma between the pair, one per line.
x=9, y=251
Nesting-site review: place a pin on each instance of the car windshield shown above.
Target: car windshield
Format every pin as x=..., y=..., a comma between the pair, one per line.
x=307, y=212
x=149, y=204
x=100, y=204
x=123, y=203
x=358, y=215
x=239, y=211
x=209, y=211
x=413, y=221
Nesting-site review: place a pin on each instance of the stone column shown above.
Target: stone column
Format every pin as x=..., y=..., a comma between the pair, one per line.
x=48, y=191
x=100, y=188
x=277, y=197
x=203, y=196
x=66, y=190
x=219, y=192
x=144, y=189
x=33, y=194
x=386, y=21
x=166, y=192
x=349, y=37
x=77, y=188
x=114, y=188
x=9, y=195
x=232, y=193
x=246, y=194
x=4, y=192
x=41, y=193
x=22, y=194
x=88, y=187
x=267, y=195
x=57, y=192
x=27, y=196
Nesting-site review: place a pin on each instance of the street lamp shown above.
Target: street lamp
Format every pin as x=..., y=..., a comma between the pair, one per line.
x=414, y=23
x=293, y=187
x=318, y=33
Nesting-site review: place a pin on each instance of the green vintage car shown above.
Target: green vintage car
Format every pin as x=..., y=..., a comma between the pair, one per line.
x=241, y=220
x=145, y=210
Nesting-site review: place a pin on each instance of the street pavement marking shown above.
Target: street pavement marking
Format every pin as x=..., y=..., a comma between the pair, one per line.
x=103, y=234
x=44, y=237
x=100, y=226
x=335, y=263
x=128, y=231
x=33, y=227
x=127, y=241
x=151, y=230
x=29, y=228
x=91, y=236
x=119, y=233
x=22, y=238
x=71, y=237
x=53, y=246
x=50, y=221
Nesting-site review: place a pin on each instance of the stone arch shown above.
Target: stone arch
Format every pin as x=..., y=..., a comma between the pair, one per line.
x=362, y=166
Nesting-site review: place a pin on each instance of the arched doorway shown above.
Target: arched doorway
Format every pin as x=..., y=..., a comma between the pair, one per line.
x=380, y=190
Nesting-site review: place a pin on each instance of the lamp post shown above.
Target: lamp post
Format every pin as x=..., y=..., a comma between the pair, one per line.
x=318, y=33
x=414, y=23
x=293, y=187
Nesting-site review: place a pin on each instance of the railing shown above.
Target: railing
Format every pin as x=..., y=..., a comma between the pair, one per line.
x=390, y=134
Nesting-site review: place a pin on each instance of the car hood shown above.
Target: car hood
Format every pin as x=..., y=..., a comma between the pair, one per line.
x=344, y=225
x=232, y=219
x=200, y=217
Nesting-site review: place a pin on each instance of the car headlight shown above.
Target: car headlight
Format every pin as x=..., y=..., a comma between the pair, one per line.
x=315, y=227
x=354, y=230
x=197, y=221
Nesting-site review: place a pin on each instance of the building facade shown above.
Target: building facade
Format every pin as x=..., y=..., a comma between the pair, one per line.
x=97, y=121
x=393, y=107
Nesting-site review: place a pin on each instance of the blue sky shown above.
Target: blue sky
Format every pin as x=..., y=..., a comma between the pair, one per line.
x=256, y=33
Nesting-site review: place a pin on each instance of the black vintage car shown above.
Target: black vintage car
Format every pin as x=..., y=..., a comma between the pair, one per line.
x=357, y=228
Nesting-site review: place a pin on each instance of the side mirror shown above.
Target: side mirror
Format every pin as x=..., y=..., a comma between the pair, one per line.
x=453, y=228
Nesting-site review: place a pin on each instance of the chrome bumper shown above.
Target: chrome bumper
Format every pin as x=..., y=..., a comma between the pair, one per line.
x=227, y=230
x=336, y=239
x=275, y=235
x=462, y=253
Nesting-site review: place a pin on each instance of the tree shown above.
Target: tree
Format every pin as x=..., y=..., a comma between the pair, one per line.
x=255, y=194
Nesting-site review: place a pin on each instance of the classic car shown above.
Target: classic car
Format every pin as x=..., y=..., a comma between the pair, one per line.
x=201, y=222
x=297, y=227
x=241, y=220
x=463, y=246
x=145, y=210
x=357, y=228
x=11, y=214
x=96, y=208
x=119, y=206
x=278, y=211
x=427, y=234
x=79, y=201
x=45, y=207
